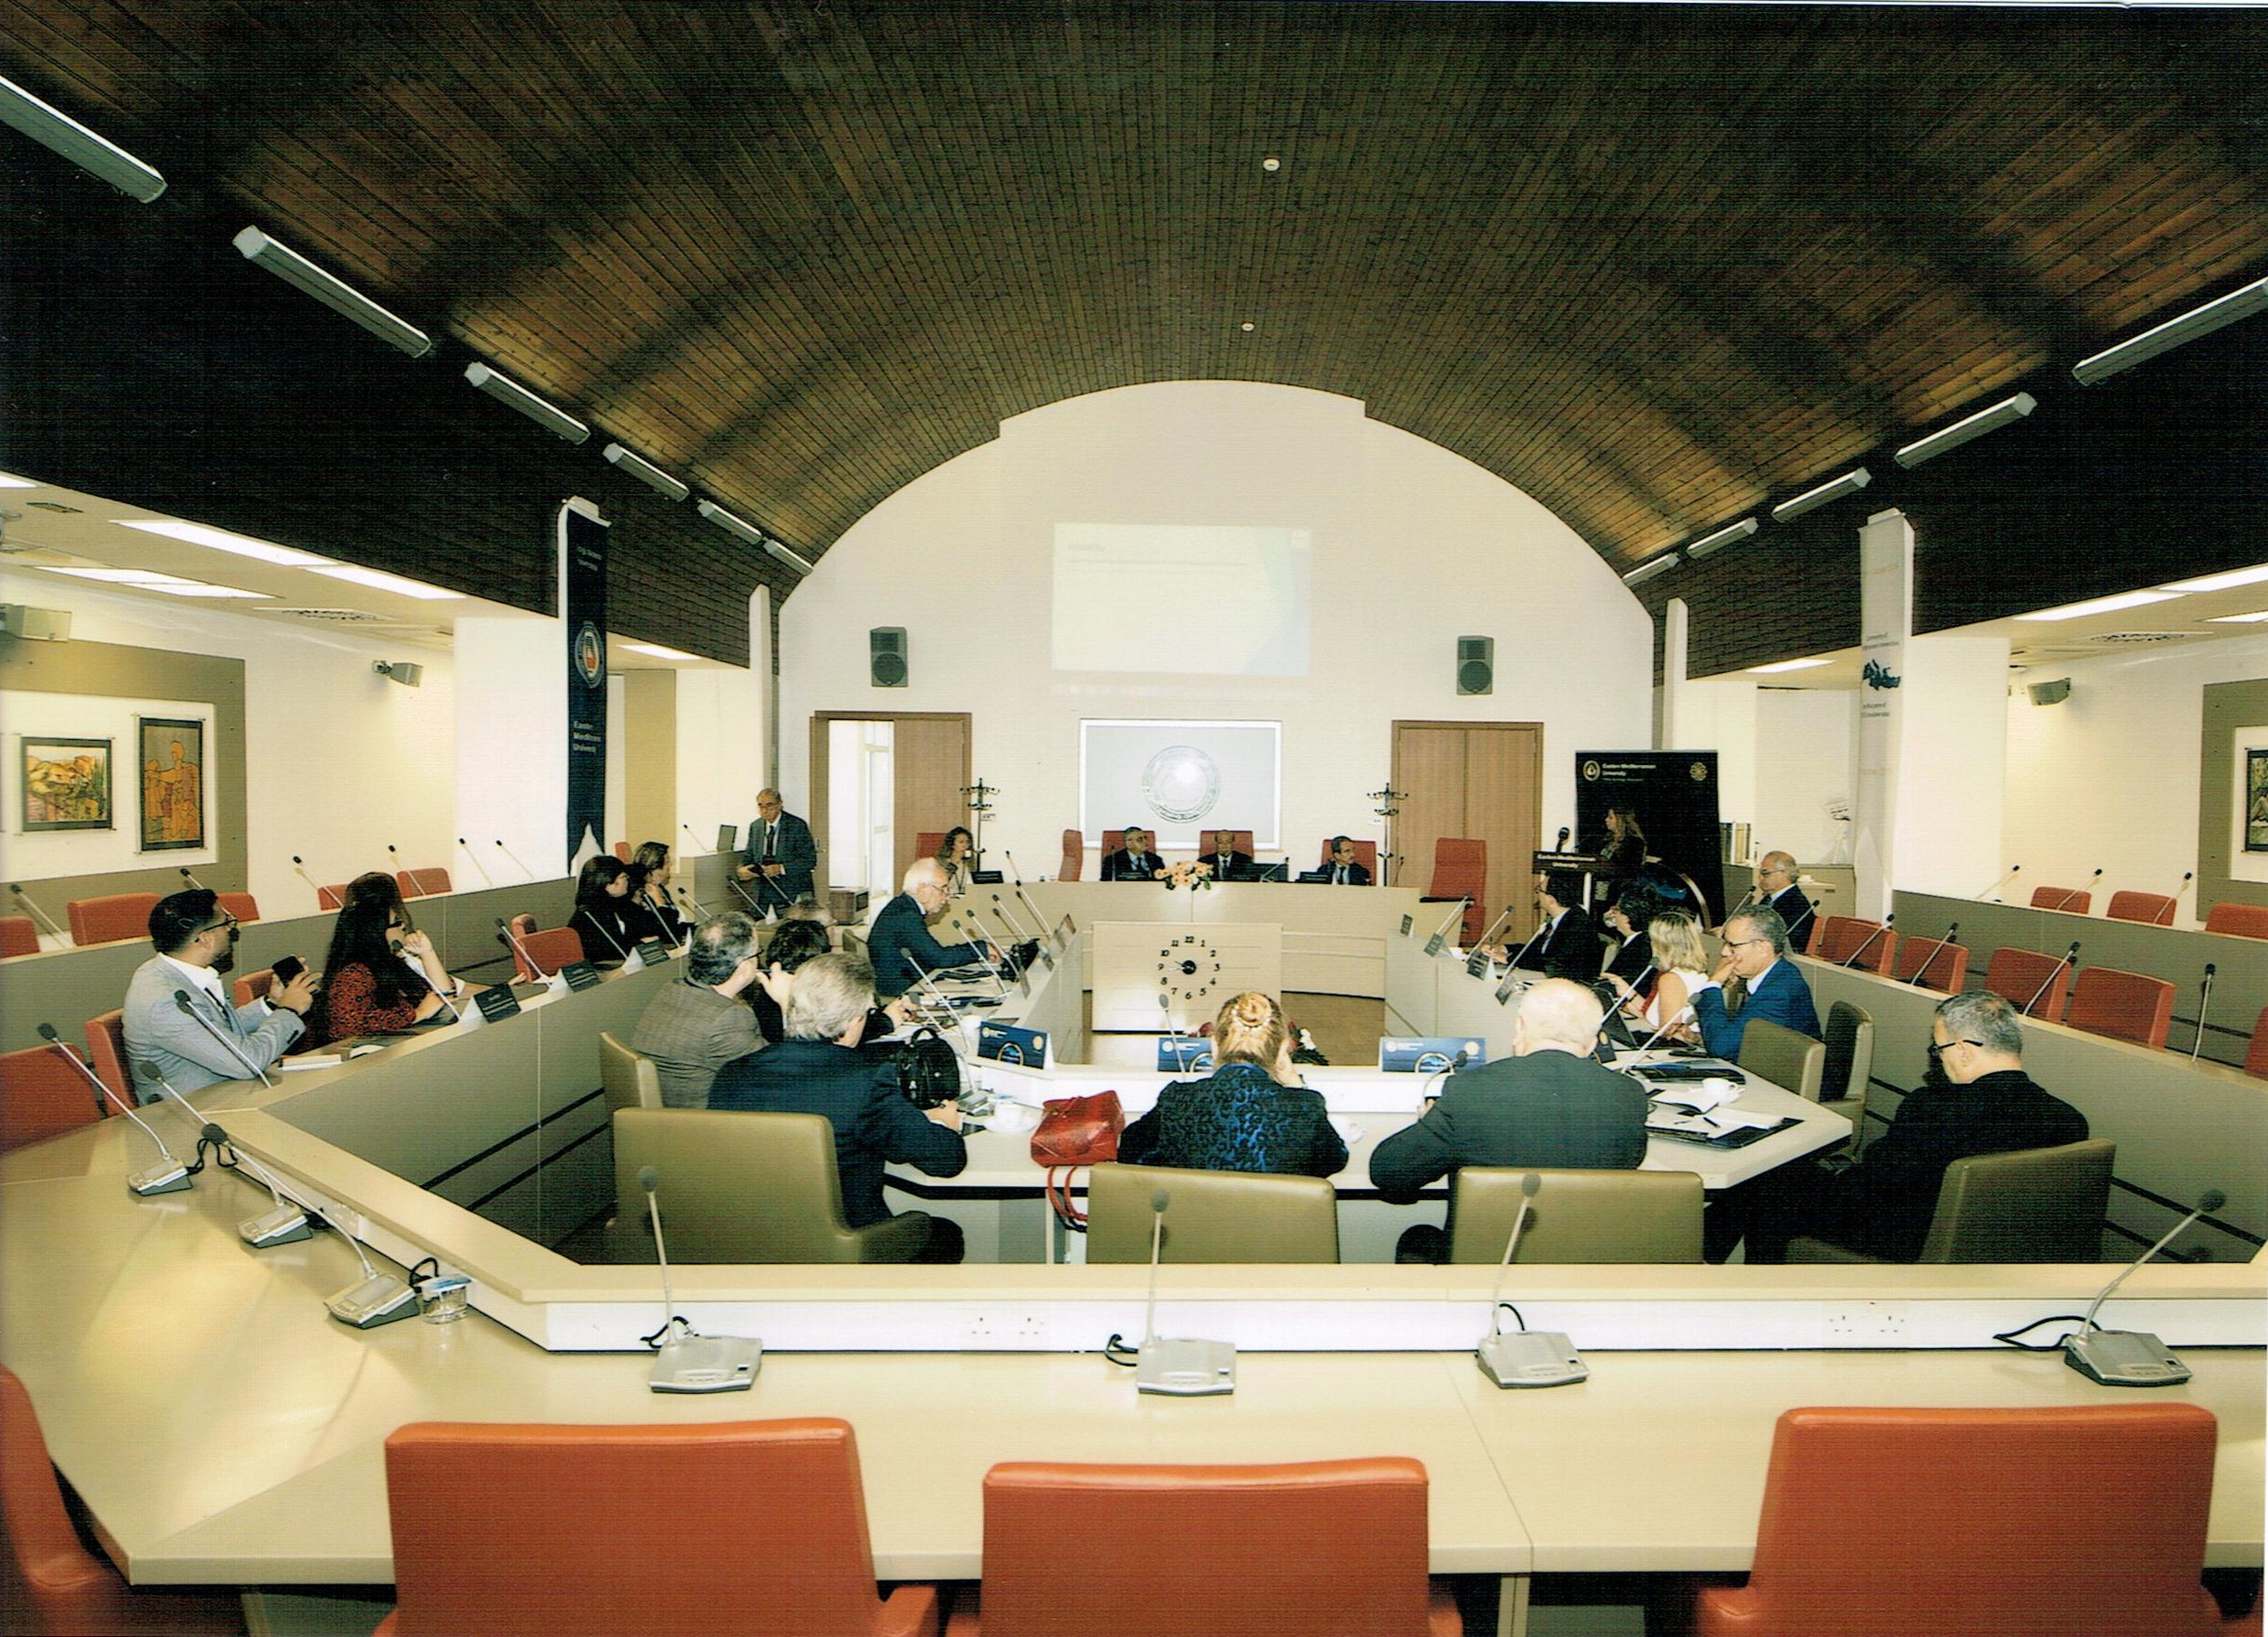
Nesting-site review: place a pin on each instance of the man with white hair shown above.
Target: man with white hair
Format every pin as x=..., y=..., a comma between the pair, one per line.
x=1549, y=1104
x=900, y=936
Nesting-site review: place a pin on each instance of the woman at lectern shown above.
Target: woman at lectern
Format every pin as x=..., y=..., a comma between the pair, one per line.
x=1625, y=845
x=954, y=853
x=1251, y=1114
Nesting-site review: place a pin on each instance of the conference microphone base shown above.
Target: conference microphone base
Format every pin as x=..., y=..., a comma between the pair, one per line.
x=380, y=1300
x=1184, y=1369
x=165, y=1177
x=706, y=1365
x=287, y=1224
x=2123, y=1359
x=1531, y=1358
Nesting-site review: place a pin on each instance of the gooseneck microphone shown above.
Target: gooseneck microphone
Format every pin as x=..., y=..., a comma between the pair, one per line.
x=1542, y=929
x=536, y=973
x=474, y=859
x=614, y=944
x=1489, y=936
x=1951, y=940
x=2071, y=958
x=689, y=1362
x=1682, y=1015
x=46, y=924
x=2132, y=1357
x=188, y=877
x=2004, y=881
x=2205, y=1005
x=508, y=853
x=168, y=1175
x=188, y=1008
x=1561, y=845
x=1527, y=1357
x=1024, y=898
x=1852, y=958
x=298, y=869
x=1179, y=1367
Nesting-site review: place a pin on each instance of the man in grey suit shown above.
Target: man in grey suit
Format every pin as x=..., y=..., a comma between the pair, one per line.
x=196, y=940
x=1549, y=1104
x=694, y=1027
x=780, y=858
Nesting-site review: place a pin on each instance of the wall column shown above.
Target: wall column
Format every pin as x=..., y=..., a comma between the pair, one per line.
x=511, y=747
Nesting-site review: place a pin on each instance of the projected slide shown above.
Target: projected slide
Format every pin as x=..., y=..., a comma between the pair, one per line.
x=1181, y=779
x=1226, y=600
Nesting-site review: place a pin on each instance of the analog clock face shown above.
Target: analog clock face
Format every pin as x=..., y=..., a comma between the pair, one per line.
x=1189, y=968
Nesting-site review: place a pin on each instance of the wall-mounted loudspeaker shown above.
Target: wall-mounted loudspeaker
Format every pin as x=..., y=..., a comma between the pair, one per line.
x=1476, y=664
x=36, y=625
x=2051, y=693
x=886, y=664
x=399, y=670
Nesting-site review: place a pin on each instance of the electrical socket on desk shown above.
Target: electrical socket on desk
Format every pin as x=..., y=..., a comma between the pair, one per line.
x=1863, y=1324
x=1007, y=1330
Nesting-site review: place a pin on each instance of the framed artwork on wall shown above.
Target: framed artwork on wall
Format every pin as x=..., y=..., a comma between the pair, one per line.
x=171, y=756
x=2256, y=801
x=66, y=783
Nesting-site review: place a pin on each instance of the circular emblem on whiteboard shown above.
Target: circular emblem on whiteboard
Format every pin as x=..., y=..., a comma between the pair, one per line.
x=1590, y=772
x=590, y=655
x=1700, y=773
x=1181, y=783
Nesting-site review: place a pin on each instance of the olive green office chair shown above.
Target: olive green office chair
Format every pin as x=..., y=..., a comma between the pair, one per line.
x=2028, y=1204
x=1210, y=1216
x=631, y=1079
x=1849, y=1065
x=1784, y=1058
x=1576, y=1216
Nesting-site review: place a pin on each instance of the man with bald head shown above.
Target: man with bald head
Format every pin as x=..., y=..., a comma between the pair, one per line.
x=780, y=857
x=900, y=936
x=1777, y=891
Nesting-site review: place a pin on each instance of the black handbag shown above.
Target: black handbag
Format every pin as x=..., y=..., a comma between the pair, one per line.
x=928, y=1069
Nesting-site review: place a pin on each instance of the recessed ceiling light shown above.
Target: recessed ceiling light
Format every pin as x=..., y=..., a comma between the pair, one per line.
x=197, y=533
x=2109, y=604
x=1272, y=163
x=377, y=579
x=657, y=651
x=1786, y=665
x=119, y=576
x=1245, y=326
x=2238, y=618
x=195, y=588
x=9, y=480
x=2225, y=581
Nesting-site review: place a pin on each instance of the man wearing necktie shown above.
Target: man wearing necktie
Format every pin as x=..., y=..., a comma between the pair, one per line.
x=1345, y=870
x=781, y=856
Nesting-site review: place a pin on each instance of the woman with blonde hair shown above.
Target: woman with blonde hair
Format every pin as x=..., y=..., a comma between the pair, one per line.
x=1681, y=963
x=1251, y=1114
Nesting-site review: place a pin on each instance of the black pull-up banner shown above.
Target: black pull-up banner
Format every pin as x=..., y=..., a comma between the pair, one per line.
x=1674, y=795
x=583, y=602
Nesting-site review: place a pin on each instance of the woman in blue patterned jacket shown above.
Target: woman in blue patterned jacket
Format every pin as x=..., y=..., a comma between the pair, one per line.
x=1252, y=1115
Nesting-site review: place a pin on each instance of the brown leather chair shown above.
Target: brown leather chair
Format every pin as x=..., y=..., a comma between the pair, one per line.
x=2028, y=1204
x=575, y=1531
x=1576, y=1216
x=743, y=1187
x=110, y=919
x=1210, y=1216
x=2121, y=1004
x=1074, y=856
x=1932, y=963
x=2238, y=920
x=42, y=1096
x=1785, y=1057
x=1960, y=1530
x=2071, y=900
x=422, y=883
x=20, y=934
x=106, y=1049
x=630, y=1077
x=2152, y=909
x=1845, y=940
x=1311, y=1546
x=2035, y=983
x=49, y=1582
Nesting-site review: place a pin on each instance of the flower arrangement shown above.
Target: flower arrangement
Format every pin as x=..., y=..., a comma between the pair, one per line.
x=1196, y=875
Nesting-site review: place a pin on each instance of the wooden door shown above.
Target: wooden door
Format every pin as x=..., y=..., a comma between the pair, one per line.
x=929, y=768
x=1480, y=780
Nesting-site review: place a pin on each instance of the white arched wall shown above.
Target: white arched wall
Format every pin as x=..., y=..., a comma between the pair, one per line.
x=1412, y=548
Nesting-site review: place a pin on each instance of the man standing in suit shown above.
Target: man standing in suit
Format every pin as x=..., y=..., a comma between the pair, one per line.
x=1133, y=861
x=900, y=935
x=1547, y=1105
x=1344, y=870
x=1567, y=944
x=781, y=856
x=1764, y=982
x=1775, y=887
x=1228, y=865
x=195, y=943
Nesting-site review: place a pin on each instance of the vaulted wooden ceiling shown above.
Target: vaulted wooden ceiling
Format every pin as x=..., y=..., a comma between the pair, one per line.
x=1653, y=265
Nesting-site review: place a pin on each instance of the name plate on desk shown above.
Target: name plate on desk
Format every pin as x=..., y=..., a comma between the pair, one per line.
x=1427, y=1054
x=496, y=1003
x=1478, y=965
x=581, y=974
x=1406, y=922
x=1435, y=944
x=1005, y=1042
x=1179, y=1055
x=1514, y=982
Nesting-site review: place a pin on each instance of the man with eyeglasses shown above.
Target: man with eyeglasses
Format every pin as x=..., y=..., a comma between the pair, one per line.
x=1777, y=891
x=195, y=944
x=1882, y=1206
x=900, y=941
x=1752, y=980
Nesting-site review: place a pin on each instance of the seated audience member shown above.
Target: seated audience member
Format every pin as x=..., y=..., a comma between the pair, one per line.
x=375, y=887
x=380, y=975
x=1882, y=1206
x=648, y=910
x=1753, y=979
x=1549, y=1104
x=693, y=1027
x=1251, y=1114
x=1133, y=861
x=818, y=1070
x=1228, y=863
x=1567, y=944
x=1345, y=871
x=957, y=854
x=808, y=909
x=1628, y=918
x=1681, y=966
x=795, y=943
x=602, y=918
x=900, y=935
x=1776, y=889
x=195, y=943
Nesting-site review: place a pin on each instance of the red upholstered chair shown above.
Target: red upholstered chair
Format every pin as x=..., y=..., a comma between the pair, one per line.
x=49, y=1582
x=1366, y=855
x=1461, y=870
x=2238, y=920
x=1947, y=964
x=241, y=905
x=2072, y=901
x=2035, y=983
x=2125, y=1005
x=1839, y=937
x=1074, y=856
x=926, y=842
x=562, y=946
x=1950, y=1543
x=2152, y=909
x=253, y=985
x=757, y=1526
x=422, y=883
x=42, y=1096
x=2256, y=1056
x=622, y=851
x=1113, y=841
x=106, y=1049
x=110, y=920
x=20, y=934
x=1310, y=1548
x=331, y=898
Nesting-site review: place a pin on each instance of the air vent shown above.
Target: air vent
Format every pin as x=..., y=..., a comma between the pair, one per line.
x=2140, y=639
x=56, y=506
x=329, y=616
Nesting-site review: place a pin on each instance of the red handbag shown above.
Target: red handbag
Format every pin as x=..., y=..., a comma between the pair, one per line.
x=1075, y=1131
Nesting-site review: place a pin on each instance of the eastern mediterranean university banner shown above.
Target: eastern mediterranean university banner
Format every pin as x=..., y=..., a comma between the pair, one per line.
x=583, y=602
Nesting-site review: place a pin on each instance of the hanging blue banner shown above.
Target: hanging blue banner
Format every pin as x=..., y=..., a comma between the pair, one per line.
x=582, y=599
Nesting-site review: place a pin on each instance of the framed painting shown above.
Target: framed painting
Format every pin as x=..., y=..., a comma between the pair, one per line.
x=172, y=764
x=66, y=783
x=2256, y=801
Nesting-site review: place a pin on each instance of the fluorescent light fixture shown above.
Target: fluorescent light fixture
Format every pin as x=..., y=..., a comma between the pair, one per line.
x=150, y=580
x=2198, y=321
x=1786, y=665
x=2238, y=618
x=197, y=533
x=512, y=394
x=377, y=579
x=646, y=472
x=748, y=532
x=342, y=298
x=9, y=480
x=1647, y=570
x=50, y=128
x=657, y=651
x=1834, y=488
x=786, y=556
x=2227, y=581
x=195, y=588
x=1961, y=431
x=1720, y=539
x=2109, y=604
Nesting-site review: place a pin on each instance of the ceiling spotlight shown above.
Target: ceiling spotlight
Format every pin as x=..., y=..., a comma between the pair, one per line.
x=300, y=273
x=1811, y=499
x=646, y=472
x=1245, y=326
x=1272, y=163
x=514, y=395
x=2109, y=604
x=2174, y=332
x=50, y=128
x=1720, y=539
x=1961, y=431
x=1647, y=570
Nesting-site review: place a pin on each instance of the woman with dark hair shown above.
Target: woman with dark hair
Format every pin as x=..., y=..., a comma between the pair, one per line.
x=957, y=854
x=1629, y=918
x=369, y=983
x=648, y=909
x=377, y=886
x=1250, y=1114
x=602, y=918
x=1625, y=852
x=795, y=942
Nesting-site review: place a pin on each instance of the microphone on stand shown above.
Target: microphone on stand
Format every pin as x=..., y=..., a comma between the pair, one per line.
x=552, y=980
x=1441, y=933
x=188, y=1006
x=2002, y=882
x=689, y=1362
x=1561, y=845
x=292, y=1221
x=1950, y=941
x=2205, y=1003
x=1000, y=909
x=191, y=878
x=1852, y=959
x=1513, y=965
x=629, y=961
x=2187, y=878
x=1493, y=926
x=37, y=913
x=1182, y=1060
x=1747, y=899
x=473, y=858
x=2071, y=958
x=1680, y=1016
x=2132, y=1357
x=1179, y=1368
x=168, y=1175
x=2073, y=894
x=1527, y=1357
x=298, y=869
x=516, y=859
x=1024, y=898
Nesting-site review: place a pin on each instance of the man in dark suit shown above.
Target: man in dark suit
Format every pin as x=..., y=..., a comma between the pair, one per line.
x=1567, y=944
x=1768, y=985
x=1228, y=863
x=900, y=935
x=1343, y=871
x=1547, y=1105
x=1777, y=888
x=781, y=856
x=1882, y=1206
x=818, y=1069
x=1133, y=861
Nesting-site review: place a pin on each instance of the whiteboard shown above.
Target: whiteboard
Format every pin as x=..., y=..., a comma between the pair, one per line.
x=1182, y=779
